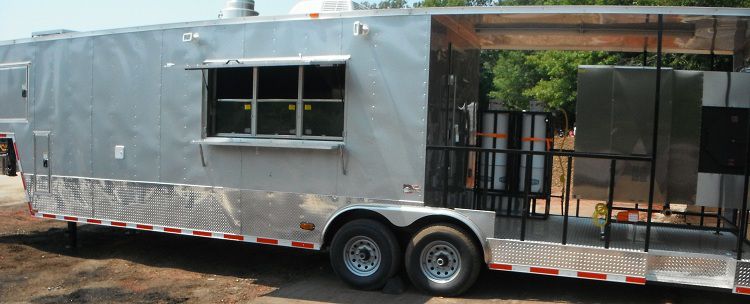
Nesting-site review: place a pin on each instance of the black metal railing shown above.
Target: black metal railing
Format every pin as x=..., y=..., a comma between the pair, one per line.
x=723, y=224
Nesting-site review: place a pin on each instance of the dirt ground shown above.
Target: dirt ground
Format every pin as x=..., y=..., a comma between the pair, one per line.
x=125, y=266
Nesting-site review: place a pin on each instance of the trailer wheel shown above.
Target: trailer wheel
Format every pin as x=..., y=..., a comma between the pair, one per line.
x=365, y=254
x=443, y=260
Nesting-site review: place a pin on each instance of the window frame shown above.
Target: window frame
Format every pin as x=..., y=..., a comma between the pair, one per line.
x=211, y=101
x=26, y=85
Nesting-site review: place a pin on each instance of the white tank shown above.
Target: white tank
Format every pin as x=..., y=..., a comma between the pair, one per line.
x=238, y=8
x=493, y=136
x=322, y=6
x=538, y=139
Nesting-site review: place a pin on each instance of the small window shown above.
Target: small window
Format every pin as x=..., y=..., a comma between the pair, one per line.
x=324, y=82
x=234, y=117
x=278, y=82
x=277, y=118
x=234, y=83
x=323, y=118
x=14, y=92
x=294, y=102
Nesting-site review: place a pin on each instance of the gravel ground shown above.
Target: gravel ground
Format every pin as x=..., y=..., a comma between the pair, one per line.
x=113, y=265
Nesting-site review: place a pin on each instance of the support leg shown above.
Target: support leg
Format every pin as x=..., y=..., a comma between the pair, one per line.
x=73, y=234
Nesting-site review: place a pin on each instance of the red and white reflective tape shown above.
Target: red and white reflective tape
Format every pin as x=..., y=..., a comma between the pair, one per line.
x=207, y=234
x=742, y=290
x=570, y=273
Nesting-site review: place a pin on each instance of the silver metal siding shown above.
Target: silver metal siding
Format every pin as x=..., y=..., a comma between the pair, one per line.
x=126, y=105
x=387, y=100
x=684, y=146
x=132, y=89
x=22, y=130
x=181, y=108
x=63, y=104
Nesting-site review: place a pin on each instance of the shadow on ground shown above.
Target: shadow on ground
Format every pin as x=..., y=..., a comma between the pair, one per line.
x=305, y=275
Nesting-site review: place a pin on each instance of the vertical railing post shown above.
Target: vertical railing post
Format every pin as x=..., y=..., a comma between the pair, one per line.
x=567, y=201
x=610, y=202
x=526, y=194
x=743, y=212
x=446, y=163
x=655, y=136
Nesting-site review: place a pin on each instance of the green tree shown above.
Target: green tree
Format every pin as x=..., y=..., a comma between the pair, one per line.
x=550, y=76
x=386, y=4
x=442, y=3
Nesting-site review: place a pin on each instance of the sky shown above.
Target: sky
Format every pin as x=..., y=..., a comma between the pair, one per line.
x=19, y=18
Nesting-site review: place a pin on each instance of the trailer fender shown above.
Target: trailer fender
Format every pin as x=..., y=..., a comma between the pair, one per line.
x=481, y=223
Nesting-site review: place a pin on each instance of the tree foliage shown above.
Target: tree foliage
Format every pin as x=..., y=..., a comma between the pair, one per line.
x=385, y=4
x=518, y=77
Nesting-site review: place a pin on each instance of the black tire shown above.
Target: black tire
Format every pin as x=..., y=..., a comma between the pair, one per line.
x=387, y=246
x=442, y=237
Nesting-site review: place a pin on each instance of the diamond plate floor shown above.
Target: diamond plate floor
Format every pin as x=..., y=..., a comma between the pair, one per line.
x=581, y=231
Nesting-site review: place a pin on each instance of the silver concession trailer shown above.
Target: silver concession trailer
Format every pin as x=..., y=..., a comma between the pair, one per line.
x=362, y=133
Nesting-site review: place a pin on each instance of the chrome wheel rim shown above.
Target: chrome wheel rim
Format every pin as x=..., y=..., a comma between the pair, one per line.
x=362, y=256
x=440, y=262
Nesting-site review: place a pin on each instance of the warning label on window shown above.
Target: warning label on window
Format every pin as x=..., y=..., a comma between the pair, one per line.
x=248, y=107
x=308, y=107
x=292, y=107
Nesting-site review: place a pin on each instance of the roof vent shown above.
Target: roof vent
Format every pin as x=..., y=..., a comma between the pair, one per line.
x=238, y=8
x=323, y=6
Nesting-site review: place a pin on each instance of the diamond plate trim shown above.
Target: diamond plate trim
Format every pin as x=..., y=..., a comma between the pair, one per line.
x=572, y=257
x=691, y=269
x=743, y=274
x=222, y=210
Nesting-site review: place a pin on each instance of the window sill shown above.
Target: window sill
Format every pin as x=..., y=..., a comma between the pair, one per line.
x=271, y=143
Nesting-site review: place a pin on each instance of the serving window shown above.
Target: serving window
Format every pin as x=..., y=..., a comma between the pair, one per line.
x=294, y=102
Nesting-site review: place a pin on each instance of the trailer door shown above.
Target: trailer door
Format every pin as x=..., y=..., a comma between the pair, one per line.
x=13, y=92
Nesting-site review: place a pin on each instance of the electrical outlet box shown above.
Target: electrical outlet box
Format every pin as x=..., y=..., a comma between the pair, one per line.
x=119, y=152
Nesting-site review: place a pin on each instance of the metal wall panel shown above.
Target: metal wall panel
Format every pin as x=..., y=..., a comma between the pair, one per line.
x=617, y=118
x=22, y=129
x=594, y=88
x=126, y=105
x=721, y=89
x=181, y=108
x=292, y=38
x=386, y=97
x=632, y=131
x=63, y=103
x=132, y=89
x=684, y=142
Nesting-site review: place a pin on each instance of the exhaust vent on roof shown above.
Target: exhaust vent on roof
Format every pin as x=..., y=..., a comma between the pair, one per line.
x=238, y=8
x=323, y=6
